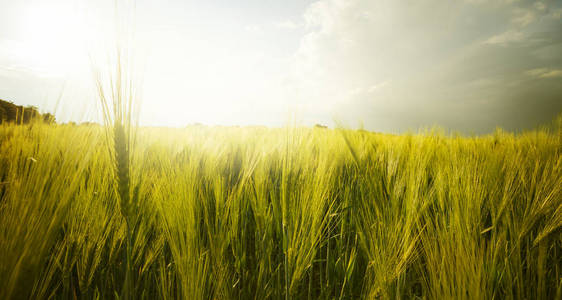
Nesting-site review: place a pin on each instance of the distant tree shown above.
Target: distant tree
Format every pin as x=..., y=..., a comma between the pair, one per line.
x=10, y=112
x=49, y=118
x=29, y=113
x=3, y=115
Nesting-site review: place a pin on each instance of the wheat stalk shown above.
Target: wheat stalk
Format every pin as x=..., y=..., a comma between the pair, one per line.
x=120, y=102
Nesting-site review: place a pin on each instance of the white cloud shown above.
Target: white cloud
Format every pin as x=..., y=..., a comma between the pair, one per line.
x=510, y=36
x=366, y=90
x=523, y=17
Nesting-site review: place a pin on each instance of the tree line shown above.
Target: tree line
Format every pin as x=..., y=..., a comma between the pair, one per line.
x=12, y=113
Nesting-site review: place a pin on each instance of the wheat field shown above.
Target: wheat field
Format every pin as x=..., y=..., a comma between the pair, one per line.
x=290, y=213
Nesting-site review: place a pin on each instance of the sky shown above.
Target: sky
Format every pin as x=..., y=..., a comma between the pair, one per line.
x=387, y=65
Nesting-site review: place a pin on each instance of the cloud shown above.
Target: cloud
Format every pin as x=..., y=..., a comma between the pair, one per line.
x=545, y=73
x=556, y=14
x=439, y=58
x=540, y=6
x=16, y=58
x=528, y=12
x=510, y=36
x=369, y=89
x=524, y=17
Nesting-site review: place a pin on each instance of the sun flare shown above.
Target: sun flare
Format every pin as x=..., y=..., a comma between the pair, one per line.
x=53, y=37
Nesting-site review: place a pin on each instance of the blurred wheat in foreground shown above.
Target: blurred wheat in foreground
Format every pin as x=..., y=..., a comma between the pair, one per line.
x=251, y=213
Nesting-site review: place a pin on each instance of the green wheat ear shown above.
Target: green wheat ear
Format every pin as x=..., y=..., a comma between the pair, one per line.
x=122, y=168
x=119, y=101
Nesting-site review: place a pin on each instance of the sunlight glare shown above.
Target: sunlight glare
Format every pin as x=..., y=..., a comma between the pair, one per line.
x=53, y=38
